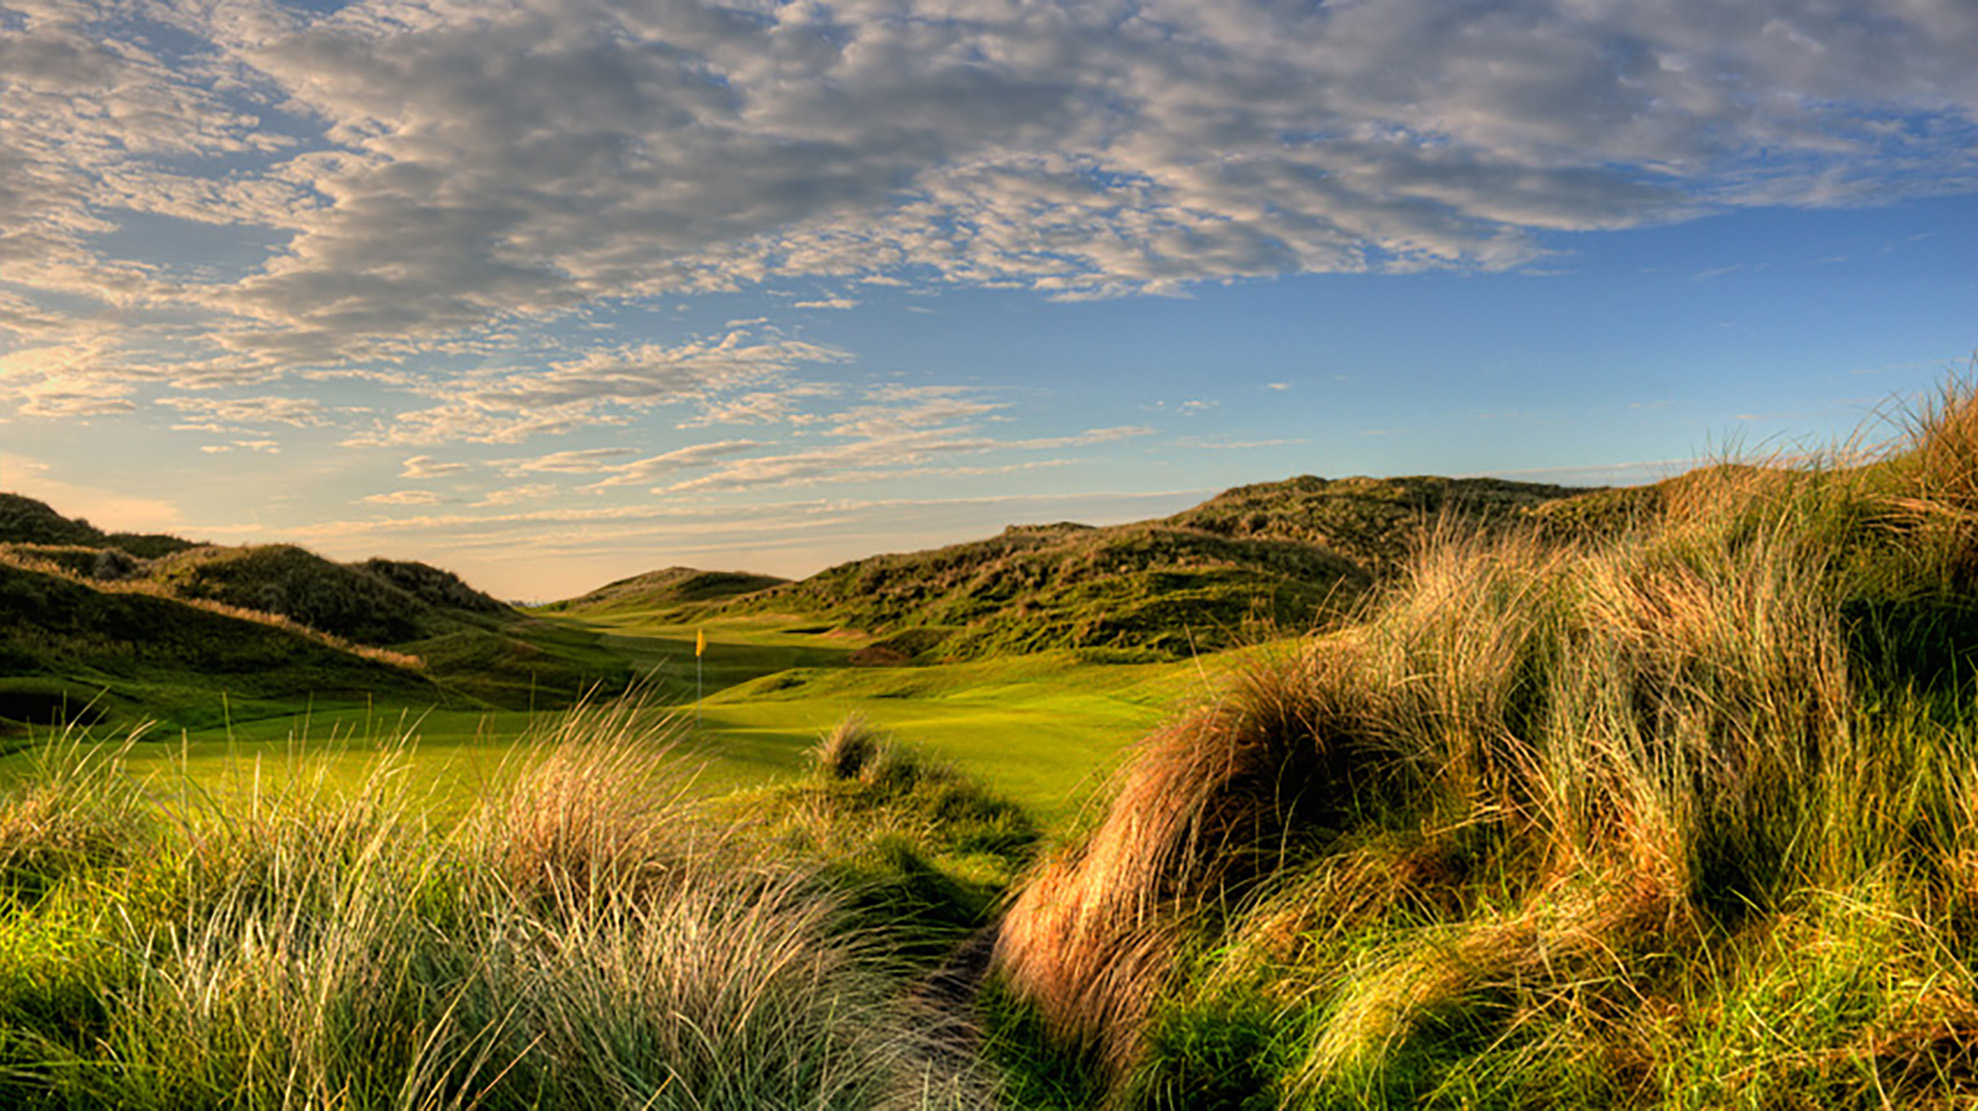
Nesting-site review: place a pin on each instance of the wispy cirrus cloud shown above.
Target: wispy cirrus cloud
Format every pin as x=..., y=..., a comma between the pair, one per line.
x=421, y=467
x=600, y=387
x=213, y=414
x=891, y=432
x=402, y=497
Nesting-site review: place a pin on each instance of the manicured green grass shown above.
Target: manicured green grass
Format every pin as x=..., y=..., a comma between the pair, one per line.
x=739, y=648
x=1044, y=730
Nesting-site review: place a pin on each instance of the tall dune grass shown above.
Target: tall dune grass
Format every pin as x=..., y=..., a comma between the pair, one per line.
x=1564, y=821
x=583, y=939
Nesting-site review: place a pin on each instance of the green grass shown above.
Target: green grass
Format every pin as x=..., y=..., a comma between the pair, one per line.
x=1044, y=730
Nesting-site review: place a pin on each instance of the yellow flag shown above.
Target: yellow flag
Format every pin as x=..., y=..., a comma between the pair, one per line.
x=700, y=641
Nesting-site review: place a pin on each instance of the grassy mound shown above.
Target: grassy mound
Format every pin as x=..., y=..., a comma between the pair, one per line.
x=75, y=641
x=479, y=648
x=23, y=520
x=1375, y=522
x=1667, y=811
x=924, y=851
x=1029, y=589
x=665, y=591
x=343, y=600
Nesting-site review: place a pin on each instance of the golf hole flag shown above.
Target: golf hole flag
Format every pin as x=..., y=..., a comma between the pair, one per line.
x=700, y=642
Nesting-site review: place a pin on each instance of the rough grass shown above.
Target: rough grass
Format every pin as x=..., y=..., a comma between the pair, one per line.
x=167, y=648
x=584, y=938
x=917, y=845
x=1659, y=809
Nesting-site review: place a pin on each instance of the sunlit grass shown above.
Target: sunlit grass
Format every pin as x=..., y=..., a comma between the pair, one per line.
x=582, y=936
x=1677, y=810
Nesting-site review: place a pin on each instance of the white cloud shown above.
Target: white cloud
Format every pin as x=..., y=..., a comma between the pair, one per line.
x=897, y=432
x=210, y=414
x=512, y=495
x=421, y=467
x=695, y=457
x=402, y=497
x=64, y=379
x=420, y=172
x=602, y=386
x=1085, y=439
x=264, y=447
x=828, y=303
x=587, y=461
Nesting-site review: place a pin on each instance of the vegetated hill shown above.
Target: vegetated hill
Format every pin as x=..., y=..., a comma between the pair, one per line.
x=364, y=602
x=65, y=643
x=1279, y=556
x=471, y=645
x=1144, y=587
x=666, y=590
x=434, y=586
x=1375, y=522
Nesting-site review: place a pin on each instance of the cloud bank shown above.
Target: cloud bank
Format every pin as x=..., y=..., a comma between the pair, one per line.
x=397, y=175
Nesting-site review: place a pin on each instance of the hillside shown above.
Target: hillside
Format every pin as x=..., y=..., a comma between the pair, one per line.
x=1375, y=522
x=355, y=601
x=65, y=644
x=1267, y=559
x=1144, y=587
x=264, y=622
x=667, y=589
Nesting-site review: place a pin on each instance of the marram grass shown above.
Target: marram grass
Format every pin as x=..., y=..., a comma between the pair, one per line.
x=1680, y=811
x=583, y=939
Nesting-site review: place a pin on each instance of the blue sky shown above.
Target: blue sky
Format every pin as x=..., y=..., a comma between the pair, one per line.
x=556, y=291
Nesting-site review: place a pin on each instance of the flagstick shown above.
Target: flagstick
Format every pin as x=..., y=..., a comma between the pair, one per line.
x=697, y=692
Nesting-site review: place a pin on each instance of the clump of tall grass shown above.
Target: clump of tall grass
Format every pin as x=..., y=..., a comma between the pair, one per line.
x=1547, y=791
x=1202, y=809
x=583, y=939
x=864, y=782
x=74, y=811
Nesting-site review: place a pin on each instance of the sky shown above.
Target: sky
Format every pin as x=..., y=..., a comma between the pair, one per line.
x=551, y=292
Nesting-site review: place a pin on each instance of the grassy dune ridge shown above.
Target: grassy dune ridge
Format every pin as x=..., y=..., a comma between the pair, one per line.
x=1254, y=562
x=272, y=628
